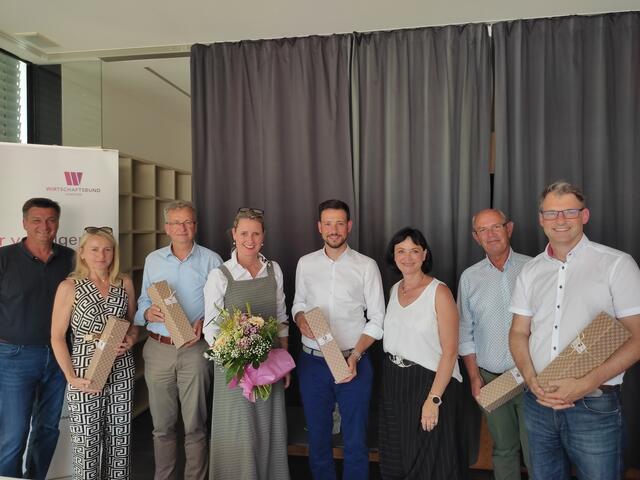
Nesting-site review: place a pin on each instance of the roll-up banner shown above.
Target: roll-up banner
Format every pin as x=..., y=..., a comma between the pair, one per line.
x=84, y=181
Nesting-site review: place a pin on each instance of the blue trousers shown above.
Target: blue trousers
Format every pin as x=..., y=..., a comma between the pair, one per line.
x=31, y=395
x=319, y=393
x=588, y=436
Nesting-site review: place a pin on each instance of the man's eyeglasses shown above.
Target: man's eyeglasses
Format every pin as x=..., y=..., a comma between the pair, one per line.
x=495, y=228
x=251, y=211
x=186, y=223
x=568, y=213
x=94, y=230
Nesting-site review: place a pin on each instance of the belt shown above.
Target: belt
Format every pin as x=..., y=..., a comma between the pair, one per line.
x=160, y=338
x=318, y=353
x=609, y=388
x=401, y=362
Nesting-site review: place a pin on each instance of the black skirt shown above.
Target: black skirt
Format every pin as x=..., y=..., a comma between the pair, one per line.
x=407, y=451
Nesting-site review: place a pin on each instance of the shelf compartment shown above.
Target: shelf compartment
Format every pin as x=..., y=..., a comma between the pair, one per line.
x=144, y=178
x=125, y=175
x=144, y=214
x=125, y=211
x=165, y=183
x=183, y=186
x=125, y=244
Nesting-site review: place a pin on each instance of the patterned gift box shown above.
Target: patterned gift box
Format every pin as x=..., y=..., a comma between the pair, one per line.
x=500, y=390
x=591, y=348
x=106, y=352
x=176, y=321
x=329, y=347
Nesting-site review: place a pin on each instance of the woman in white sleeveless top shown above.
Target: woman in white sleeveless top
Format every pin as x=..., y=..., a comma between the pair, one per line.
x=421, y=382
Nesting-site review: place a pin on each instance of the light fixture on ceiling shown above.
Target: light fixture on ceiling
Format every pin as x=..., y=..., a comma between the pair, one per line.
x=35, y=39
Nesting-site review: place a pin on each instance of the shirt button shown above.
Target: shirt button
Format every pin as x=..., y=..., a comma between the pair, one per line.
x=556, y=327
x=554, y=348
x=562, y=268
x=560, y=286
x=558, y=306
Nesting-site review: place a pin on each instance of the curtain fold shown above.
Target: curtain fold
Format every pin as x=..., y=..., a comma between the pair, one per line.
x=567, y=106
x=271, y=130
x=422, y=126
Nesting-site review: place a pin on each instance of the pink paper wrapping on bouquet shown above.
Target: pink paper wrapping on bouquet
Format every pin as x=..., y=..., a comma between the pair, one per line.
x=275, y=367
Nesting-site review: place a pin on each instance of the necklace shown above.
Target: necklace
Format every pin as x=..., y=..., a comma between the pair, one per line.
x=403, y=288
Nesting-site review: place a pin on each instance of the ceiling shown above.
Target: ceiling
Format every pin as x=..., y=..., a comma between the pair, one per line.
x=118, y=30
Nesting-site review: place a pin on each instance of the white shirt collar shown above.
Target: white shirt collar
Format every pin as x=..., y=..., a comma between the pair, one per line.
x=234, y=264
x=581, y=245
x=345, y=254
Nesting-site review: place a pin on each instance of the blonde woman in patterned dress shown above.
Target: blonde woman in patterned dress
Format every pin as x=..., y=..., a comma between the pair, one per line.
x=100, y=421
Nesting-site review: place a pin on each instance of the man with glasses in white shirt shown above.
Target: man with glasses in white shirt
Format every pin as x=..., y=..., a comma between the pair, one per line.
x=178, y=379
x=558, y=293
x=345, y=285
x=484, y=293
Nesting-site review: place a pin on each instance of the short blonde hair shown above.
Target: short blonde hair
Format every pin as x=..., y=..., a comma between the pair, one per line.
x=81, y=269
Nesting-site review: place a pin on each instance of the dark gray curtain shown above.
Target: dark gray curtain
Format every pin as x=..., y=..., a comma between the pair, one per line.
x=567, y=106
x=271, y=130
x=422, y=126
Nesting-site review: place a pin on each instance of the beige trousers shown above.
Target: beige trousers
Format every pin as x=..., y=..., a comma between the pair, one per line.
x=178, y=381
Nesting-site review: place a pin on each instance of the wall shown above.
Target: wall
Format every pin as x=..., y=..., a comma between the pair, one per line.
x=134, y=123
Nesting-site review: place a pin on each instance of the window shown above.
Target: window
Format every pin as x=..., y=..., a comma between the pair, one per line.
x=13, y=99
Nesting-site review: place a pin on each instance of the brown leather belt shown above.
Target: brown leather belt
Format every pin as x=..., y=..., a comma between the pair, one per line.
x=161, y=338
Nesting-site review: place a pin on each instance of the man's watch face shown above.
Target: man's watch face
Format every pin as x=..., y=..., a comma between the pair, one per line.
x=436, y=400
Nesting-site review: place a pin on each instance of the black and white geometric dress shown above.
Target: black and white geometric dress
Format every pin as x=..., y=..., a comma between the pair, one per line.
x=100, y=423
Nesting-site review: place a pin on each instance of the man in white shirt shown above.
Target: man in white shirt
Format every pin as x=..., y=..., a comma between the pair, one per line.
x=558, y=293
x=484, y=294
x=343, y=284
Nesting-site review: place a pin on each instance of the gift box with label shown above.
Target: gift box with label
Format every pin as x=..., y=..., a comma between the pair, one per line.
x=175, y=320
x=328, y=345
x=597, y=342
x=500, y=390
x=105, y=352
x=590, y=349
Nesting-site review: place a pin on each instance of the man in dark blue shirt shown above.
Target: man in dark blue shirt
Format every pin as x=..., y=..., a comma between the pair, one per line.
x=31, y=383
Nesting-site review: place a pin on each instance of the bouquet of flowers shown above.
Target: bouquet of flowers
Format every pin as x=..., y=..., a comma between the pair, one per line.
x=243, y=349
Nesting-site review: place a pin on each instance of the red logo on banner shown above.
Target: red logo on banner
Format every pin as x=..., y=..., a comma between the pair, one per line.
x=73, y=178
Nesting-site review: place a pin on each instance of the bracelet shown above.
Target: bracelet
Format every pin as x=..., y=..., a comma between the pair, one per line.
x=356, y=354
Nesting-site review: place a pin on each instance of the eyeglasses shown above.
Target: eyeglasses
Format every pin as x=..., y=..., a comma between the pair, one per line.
x=251, y=211
x=93, y=230
x=186, y=223
x=568, y=213
x=495, y=228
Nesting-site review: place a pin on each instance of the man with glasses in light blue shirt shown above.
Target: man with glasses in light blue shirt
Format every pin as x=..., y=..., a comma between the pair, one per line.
x=178, y=379
x=484, y=294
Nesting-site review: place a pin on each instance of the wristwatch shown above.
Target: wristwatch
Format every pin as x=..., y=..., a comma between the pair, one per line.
x=436, y=399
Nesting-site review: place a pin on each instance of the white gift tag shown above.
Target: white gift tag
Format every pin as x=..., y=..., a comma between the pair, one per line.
x=100, y=344
x=170, y=300
x=516, y=375
x=578, y=345
x=326, y=338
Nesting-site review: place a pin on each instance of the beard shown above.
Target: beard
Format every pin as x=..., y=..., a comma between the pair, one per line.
x=335, y=242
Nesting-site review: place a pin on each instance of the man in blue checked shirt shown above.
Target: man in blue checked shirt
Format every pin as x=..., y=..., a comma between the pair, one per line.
x=484, y=295
x=178, y=379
